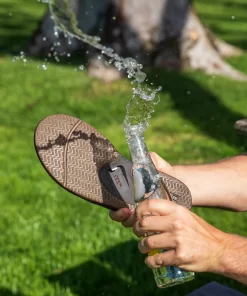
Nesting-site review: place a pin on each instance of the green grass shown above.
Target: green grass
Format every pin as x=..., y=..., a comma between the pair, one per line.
x=53, y=243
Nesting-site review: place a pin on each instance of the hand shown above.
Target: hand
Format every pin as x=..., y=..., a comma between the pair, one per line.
x=126, y=216
x=191, y=243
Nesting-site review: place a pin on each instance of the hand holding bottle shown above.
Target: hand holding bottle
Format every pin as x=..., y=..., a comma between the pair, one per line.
x=191, y=243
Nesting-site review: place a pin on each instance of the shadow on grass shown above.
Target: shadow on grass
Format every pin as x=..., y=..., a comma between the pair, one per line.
x=228, y=3
x=207, y=16
x=120, y=271
x=198, y=105
x=7, y=292
x=239, y=42
x=16, y=28
x=233, y=36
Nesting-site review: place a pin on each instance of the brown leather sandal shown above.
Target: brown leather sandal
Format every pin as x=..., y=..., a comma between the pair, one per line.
x=84, y=162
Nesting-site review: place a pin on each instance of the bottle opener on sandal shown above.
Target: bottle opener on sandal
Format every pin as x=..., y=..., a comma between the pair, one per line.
x=84, y=162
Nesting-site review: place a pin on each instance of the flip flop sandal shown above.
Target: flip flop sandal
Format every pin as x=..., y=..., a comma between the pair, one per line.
x=84, y=162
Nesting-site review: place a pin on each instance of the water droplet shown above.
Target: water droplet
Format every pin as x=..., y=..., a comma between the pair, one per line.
x=15, y=59
x=140, y=76
x=56, y=33
x=68, y=55
x=131, y=73
x=130, y=63
x=44, y=39
x=108, y=50
x=233, y=17
x=43, y=67
x=118, y=65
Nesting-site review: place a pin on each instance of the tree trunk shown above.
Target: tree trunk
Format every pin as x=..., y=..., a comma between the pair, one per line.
x=168, y=34
x=203, y=53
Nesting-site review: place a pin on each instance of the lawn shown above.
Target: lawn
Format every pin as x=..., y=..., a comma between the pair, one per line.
x=54, y=244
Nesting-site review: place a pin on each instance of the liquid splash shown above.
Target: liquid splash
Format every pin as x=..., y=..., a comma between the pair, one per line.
x=142, y=103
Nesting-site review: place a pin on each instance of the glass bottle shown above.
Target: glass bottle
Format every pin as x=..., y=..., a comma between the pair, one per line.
x=148, y=184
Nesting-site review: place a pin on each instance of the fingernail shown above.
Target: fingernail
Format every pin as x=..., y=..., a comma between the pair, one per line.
x=158, y=260
x=126, y=213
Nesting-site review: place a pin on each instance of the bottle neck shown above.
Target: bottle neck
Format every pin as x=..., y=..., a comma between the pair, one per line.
x=145, y=175
x=138, y=149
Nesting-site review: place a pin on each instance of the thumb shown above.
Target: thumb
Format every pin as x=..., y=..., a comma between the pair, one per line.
x=161, y=165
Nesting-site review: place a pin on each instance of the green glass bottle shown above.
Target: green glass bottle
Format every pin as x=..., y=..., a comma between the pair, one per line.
x=148, y=184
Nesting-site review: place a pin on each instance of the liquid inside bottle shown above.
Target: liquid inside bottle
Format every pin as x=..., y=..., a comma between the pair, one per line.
x=147, y=185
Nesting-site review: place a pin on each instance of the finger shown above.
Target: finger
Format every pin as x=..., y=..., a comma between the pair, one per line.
x=153, y=224
x=130, y=221
x=160, y=164
x=167, y=258
x=120, y=215
x=159, y=207
x=157, y=241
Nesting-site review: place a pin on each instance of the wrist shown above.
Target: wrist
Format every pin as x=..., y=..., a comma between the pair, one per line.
x=220, y=254
x=198, y=178
x=179, y=171
x=232, y=261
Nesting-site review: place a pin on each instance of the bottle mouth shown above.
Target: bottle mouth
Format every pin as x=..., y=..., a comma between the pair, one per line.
x=144, y=183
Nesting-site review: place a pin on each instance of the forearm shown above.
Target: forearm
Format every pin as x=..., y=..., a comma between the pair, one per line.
x=221, y=184
x=233, y=262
